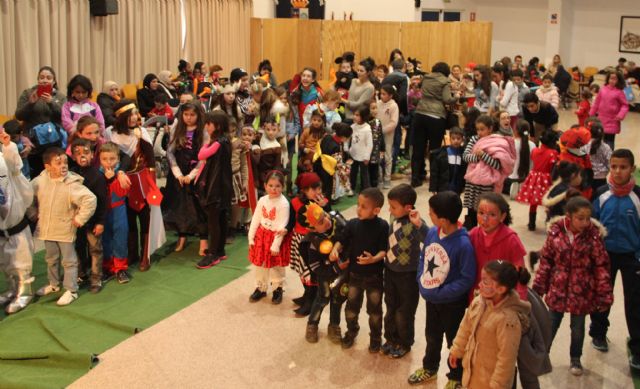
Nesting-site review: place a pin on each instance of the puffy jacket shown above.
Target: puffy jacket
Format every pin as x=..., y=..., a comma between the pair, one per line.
x=549, y=95
x=436, y=91
x=574, y=269
x=59, y=201
x=488, y=341
x=621, y=217
x=611, y=106
x=500, y=148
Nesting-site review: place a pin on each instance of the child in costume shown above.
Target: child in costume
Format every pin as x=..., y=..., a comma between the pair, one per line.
x=12, y=127
x=573, y=143
x=377, y=152
x=116, y=231
x=144, y=197
x=345, y=74
x=215, y=185
x=63, y=204
x=16, y=242
x=266, y=154
x=89, y=237
x=240, y=147
x=328, y=107
x=182, y=209
x=342, y=177
x=269, y=247
x=311, y=136
x=538, y=180
x=328, y=155
x=309, y=191
x=566, y=184
x=324, y=229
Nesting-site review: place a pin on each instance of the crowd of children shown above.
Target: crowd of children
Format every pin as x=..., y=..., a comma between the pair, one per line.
x=98, y=209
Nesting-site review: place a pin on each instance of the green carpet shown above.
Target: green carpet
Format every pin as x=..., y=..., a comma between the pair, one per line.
x=46, y=346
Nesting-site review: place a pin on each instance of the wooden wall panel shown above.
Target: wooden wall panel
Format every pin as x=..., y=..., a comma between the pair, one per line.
x=255, y=56
x=292, y=44
x=309, y=47
x=338, y=37
x=377, y=39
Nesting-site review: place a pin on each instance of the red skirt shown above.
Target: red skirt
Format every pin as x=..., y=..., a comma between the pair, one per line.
x=260, y=252
x=534, y=187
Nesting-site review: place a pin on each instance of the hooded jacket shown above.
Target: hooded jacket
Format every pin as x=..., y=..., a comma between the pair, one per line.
x=506, y=245
x=436, y=92
x=574, y=269
x=621, y=217
x=450, y=267
x=59, y=201
x=488, y=340
x=611, y=106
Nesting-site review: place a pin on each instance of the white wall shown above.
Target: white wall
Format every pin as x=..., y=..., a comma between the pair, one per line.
x=596, y=31
x=264, y=9
x=518, y=27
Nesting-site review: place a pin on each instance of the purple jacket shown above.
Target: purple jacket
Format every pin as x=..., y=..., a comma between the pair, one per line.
x=611, y=106
x=72, y=111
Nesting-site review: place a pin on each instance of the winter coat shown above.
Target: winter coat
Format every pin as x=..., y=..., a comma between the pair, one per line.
x=488, y=341
x=106, y=103
x=574, y=269
x=436, y=92
x=60, y=201
x=39, y=112
x=621, y=217
x=72, y=111
x=498, y=147
x=214, y=185
x=549, y=95
x=14, y=187
x=506, y=245
x=611, y=106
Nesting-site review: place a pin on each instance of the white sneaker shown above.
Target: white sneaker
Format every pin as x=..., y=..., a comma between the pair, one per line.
x=45, y=290
x=67, y=298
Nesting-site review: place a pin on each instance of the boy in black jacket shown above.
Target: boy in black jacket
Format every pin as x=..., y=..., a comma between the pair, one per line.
x=367, y=239
x=89, y=237
x=325, y=228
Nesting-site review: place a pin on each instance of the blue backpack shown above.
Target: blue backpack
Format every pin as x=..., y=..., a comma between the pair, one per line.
x=47, y=135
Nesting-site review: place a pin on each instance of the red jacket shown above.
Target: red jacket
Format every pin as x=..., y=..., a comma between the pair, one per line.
x=506, y=245
x=574, y=274
x=543, y=159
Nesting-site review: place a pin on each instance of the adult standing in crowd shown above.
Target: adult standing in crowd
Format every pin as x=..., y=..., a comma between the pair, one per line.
x=40, y=104
x=109, y=96
x=361, y=90
x=146, y=95
x=540, y=115
x=611, y=106
x=430, y=118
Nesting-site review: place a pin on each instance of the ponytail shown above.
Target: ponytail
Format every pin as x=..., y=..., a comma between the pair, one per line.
x=506, y=274
x=525, y=153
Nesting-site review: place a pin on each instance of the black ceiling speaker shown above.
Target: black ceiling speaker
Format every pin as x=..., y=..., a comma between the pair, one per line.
x=103, y=7
x=417, y=3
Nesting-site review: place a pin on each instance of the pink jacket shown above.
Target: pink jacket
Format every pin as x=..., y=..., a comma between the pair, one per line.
x=550, y=95
x=611, y=106
x=500, y=148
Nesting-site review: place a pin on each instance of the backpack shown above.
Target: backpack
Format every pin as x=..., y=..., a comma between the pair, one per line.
x=47, y=135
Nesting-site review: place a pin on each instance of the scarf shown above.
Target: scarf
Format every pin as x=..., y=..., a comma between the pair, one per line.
x=621, y=190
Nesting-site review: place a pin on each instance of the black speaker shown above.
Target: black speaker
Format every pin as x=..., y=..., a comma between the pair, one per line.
x=103, y=7
x=417, y=3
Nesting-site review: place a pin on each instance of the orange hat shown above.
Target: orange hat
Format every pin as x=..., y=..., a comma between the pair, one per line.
x=306, y=180
x=310, y=215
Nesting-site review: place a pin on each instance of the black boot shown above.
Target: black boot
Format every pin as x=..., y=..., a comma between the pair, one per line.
x=305, y=309
x=300, y=300
x=532, y=222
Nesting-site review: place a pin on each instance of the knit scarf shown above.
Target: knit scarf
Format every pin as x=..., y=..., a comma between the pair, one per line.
x=621, y=190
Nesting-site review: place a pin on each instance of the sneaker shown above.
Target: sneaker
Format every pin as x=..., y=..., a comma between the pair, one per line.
x=348, y=339
x=257, y=295
x=386, y=348
x=453, y=384
x=634, y=362
x=122, y=277
x=399, y=352
x=422, y=375
x=374, y=346
x=222, y=256
x=312, y=333
x=208, y=261
x=350, y=193
x=95, y=288
x=334, y=333
x=277, y=296
x=600, y=344
x=575, y=367
x=67, y=298
x=48, y=289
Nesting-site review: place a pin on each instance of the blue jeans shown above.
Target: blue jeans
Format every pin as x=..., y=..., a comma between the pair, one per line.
x=577, y=331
